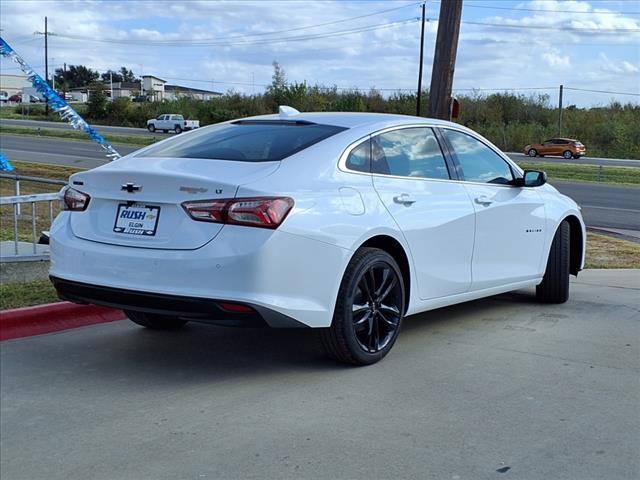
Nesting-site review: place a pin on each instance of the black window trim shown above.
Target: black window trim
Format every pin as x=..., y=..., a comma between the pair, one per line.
x=449, y=157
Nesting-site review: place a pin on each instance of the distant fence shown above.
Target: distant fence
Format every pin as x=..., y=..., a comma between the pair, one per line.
x=40, y=215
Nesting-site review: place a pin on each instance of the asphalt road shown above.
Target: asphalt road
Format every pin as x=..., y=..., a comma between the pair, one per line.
x=603, y=205
x=143, y=132
x=543, y=391
x=104, y=129
x=56, y=151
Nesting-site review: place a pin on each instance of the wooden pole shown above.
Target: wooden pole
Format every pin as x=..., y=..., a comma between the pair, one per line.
x=421, y=62
x=444, y=60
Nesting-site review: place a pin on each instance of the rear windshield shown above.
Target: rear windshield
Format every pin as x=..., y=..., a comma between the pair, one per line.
x=247, y=141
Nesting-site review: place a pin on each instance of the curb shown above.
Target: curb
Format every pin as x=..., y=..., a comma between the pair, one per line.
x=53, y=317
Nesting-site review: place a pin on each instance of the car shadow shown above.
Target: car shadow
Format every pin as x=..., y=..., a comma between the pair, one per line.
x=123, y=352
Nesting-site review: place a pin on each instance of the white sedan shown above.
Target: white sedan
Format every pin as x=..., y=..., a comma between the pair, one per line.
x=345, y=222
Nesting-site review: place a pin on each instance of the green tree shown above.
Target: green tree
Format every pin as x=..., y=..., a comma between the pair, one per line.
x=97, y=104
x=75, y=76
x=122, y=75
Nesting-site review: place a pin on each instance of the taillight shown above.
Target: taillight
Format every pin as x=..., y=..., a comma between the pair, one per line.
x=263, y=212
x=75, y=201
x=235, y=307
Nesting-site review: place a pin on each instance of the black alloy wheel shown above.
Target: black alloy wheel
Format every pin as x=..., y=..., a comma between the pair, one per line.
x=369, y=309
x=376, y=307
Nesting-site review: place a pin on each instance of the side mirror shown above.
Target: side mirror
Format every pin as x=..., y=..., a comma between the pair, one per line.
x=533, y=178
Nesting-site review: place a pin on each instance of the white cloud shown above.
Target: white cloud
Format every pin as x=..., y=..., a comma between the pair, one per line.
x=488, y=57
x=554, y=59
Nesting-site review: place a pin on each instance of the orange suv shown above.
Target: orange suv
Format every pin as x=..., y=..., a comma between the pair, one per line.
x=563, y=147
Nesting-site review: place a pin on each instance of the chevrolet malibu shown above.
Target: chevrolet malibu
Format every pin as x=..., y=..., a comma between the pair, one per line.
x=343, y=222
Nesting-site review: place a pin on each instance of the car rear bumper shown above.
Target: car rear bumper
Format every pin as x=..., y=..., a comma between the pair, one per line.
x=187, y=308
x=292, y=275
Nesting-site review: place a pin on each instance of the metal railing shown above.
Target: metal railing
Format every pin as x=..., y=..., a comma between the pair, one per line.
x=18, y=201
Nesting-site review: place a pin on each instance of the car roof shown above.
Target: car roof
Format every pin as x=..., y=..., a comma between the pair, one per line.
x=353, y=119
x=566, y=139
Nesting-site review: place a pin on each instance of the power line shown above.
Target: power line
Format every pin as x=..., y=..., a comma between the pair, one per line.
x=306, y=27
x=543, y=27
x=491, y=7
x=603, y=91
x=502, y=89
x=196, y=42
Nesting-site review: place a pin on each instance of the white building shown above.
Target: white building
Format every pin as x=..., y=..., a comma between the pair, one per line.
x=13, y=84
x=153, y=88
x=173, y=92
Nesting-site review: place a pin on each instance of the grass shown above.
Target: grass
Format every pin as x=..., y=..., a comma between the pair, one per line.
x=16, y=295
x=602, y=252
x=135, y=140
x=586, y=173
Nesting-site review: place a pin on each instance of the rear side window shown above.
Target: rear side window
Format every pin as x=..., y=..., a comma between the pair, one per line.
x=360, y=157
x=408, y=152
x=248, y=141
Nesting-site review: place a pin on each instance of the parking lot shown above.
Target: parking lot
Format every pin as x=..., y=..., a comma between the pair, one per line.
x=497, y=388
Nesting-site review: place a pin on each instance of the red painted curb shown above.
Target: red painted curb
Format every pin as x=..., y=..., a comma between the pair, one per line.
x=53, y=317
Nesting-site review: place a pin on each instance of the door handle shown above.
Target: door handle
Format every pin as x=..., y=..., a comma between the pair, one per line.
x=404, y=199
x=484, y=200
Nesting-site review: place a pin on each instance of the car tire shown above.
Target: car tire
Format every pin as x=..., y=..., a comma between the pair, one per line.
x=155, y=322
x=178, y=129
x=151, y=128
x=555, y=283
x=532, y=152
x=369, y=309
x=567, y=154
x=165, y=131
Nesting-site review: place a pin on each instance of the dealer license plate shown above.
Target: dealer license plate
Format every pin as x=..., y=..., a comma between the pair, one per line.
x=137, y=219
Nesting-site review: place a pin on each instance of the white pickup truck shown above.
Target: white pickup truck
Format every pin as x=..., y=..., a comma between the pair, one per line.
x=167, y=122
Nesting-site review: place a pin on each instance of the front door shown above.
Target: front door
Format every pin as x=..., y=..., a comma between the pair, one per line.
x=433, y=212
x=510, y=221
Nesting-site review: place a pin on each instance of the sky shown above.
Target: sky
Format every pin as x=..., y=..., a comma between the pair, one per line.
x=528, y=46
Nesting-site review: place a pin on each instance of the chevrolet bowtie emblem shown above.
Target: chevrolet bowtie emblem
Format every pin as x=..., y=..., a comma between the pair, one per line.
x=130, y=187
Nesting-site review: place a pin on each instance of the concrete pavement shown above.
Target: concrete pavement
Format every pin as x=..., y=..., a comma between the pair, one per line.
x=497, y=385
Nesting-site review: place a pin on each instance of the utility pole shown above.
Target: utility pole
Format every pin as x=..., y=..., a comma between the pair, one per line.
x=421, y=61
x=444, y=60
x=46, y=62
x=64, y=81
x=560, y=111
x=111, y=82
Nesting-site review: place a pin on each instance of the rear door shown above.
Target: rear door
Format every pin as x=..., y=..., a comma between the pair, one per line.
x=433, y=212
x=510, y=221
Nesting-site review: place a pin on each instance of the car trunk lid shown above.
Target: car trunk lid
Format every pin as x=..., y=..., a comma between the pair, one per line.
x=136, y=202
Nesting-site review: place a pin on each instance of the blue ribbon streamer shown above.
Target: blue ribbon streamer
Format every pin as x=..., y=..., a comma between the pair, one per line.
x=56, y=103
x=5, y=165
